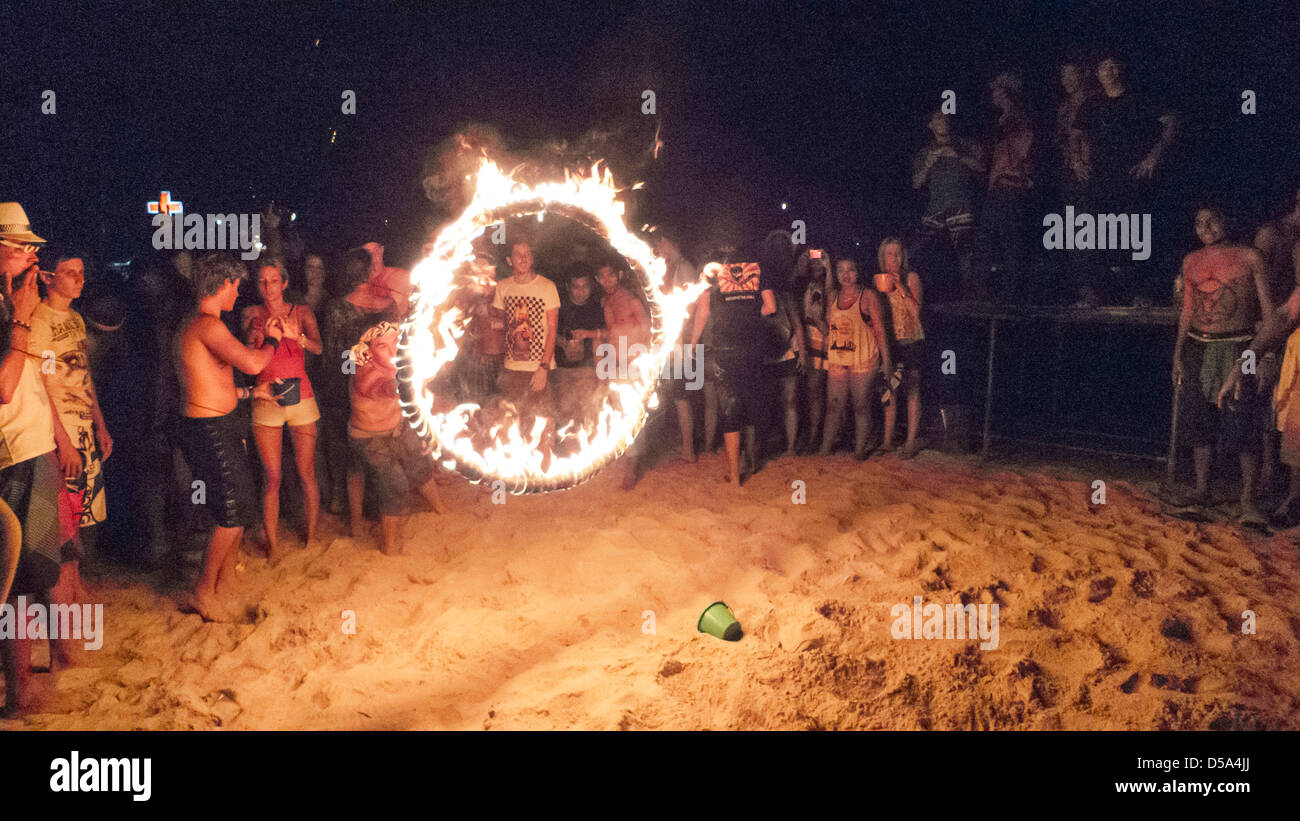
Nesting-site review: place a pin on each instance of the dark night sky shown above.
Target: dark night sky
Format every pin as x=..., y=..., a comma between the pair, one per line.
x=228, y=106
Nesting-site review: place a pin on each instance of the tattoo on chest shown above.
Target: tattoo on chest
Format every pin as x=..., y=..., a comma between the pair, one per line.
x=1221, y=306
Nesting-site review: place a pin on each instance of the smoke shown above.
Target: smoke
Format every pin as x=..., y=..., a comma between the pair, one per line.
x=626, y=148
x=449, y=167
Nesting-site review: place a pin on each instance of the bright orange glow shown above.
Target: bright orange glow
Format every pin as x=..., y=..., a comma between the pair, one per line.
x=429, y=340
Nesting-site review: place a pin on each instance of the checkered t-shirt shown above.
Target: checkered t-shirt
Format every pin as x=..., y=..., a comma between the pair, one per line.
x=525, y=307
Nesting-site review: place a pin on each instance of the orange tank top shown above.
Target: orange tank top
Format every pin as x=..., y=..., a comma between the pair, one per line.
x=851, y=342
x=907, y=317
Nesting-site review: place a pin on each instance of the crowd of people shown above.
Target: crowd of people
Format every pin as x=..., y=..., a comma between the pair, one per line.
x=1108, y=147
x=184, y=398
x=790, y=339
x=791, y=344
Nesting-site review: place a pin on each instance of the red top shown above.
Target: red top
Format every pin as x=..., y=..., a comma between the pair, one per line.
x=288, y=360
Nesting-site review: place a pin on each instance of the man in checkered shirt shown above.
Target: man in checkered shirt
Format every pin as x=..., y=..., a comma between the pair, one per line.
x=529, y=304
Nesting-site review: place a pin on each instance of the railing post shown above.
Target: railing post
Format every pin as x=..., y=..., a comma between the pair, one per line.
x=988, y=389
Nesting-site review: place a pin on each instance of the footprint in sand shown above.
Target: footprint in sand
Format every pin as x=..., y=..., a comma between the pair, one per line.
x=1100, y=589
x=1143, y=584
x=1046, y=618
x=1177, y=629
x=1174, y=683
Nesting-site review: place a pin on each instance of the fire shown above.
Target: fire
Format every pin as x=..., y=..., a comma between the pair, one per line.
x=429, y=340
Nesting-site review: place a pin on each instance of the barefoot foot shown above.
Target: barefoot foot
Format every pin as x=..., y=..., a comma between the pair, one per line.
x=38, y=696
x=275, y=555
x=208, y=606
x=69, y=653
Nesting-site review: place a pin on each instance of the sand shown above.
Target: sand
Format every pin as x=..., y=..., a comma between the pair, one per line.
x=578, y=610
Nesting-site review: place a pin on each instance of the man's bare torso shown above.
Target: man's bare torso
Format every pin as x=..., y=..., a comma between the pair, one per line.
x=375, y=406
x=1220, y=281
x=208, y=382
x=625, y=316
x=486, y=333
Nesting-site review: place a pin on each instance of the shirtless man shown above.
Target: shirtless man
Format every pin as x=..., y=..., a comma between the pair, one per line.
x=484, y=345
x=1225, y=293
x=1279, y=243
x=212, y=438
x=626, y=324
x=396, y=460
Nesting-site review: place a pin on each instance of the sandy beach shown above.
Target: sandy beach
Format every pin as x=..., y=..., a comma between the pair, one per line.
x=578, y=610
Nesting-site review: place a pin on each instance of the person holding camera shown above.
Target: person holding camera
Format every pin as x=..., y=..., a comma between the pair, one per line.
x=293, y=402
x=948, y=168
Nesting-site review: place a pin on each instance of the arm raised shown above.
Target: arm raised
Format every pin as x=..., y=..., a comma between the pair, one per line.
x=230, y=350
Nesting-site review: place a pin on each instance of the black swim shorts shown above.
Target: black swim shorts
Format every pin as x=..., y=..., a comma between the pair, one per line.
x=738, y=375
x=215, y=451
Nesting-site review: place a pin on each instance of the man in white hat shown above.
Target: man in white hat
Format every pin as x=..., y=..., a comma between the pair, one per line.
x=29, y=481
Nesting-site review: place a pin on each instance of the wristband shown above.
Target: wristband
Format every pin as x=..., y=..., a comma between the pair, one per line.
x=272, y=341
x=19, y=323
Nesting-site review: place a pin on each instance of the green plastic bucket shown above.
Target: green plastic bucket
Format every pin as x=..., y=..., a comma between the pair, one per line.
x=718, y=621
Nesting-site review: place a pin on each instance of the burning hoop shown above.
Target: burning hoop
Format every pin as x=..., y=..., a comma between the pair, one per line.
x=428, y=341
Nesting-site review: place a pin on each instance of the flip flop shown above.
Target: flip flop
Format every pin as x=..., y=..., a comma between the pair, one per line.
x=1254, y=521
x=1170, y=496
x=1285, y=517
x=1192, y=514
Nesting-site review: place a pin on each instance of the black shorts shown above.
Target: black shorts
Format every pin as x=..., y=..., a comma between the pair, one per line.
x=909, y=356
x=783, y=369
x=215, y=451
x=672, y=389
x=1238, y=426
x=738, y=375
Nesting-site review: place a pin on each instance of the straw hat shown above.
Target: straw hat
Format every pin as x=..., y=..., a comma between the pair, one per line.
x=14, y=224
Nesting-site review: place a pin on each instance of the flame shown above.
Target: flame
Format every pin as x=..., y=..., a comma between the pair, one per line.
x=429, y=340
